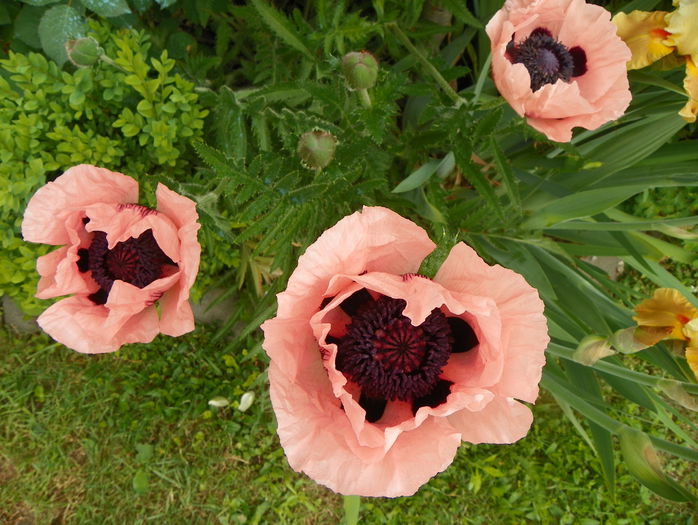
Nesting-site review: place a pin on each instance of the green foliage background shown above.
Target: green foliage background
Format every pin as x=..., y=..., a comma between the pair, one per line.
x=210, y=98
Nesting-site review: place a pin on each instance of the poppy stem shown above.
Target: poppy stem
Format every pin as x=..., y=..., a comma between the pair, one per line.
x=440, y=80
x=351, y=509
x=364, y=97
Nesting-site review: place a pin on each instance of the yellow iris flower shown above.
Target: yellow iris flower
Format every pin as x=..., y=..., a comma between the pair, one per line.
x=653, y=35
x=668, y=315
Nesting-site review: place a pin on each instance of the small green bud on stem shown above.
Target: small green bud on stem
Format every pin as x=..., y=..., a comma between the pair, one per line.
x=360, y=70
x=83, y=52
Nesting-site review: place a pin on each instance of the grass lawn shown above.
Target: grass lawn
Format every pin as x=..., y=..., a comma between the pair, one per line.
x=129, y=437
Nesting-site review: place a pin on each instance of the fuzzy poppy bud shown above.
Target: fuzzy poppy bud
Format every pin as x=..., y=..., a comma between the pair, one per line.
x=360, y=69
x=83, y=52
x=316, y=148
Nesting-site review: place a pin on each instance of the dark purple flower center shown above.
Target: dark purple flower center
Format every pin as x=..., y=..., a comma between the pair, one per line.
x=138, y=261
x=546, y=59
x=389, y=357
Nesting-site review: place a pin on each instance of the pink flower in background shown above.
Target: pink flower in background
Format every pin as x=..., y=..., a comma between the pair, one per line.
x=117, y=259
x=377, y=373
x=560, y=64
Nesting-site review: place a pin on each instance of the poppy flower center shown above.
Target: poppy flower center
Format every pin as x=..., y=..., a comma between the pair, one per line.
x=138, y=261
x=390, y=358
x=546, y=59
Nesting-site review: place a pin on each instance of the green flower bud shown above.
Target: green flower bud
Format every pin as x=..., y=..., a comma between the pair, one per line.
x=83, y=52
x=360, y=69
x=316, y=148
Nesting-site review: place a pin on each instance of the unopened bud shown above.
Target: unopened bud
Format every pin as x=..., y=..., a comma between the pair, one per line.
x=83, y=52
x=316, y=148
x=360, y=69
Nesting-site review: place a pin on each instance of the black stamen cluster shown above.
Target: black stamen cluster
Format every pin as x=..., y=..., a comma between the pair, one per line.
x=137, y=261
x=546, y=59
x=389, y=357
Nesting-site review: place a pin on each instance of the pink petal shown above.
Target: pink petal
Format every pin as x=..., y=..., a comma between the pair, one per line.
x=176, y=315
x=46, y=214
x=503, y=420
x=375, y=239
x=59, y=271
x=60, y=275
x=524, y=327
x=78, y=323
x=318, y=440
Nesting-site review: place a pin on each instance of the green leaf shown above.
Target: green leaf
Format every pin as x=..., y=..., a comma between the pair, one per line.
x=643, y=462
x=424, y=173
x=40, y=3
x=460, y=12
x=479, y=182
x=58, y=25
x=280, y=25
x=107, y=8
x=644, y=225
x=625, y=146
x=140, y=482
x=27, y=25
x=144, y=452
x=504, y=169
x=581, y=204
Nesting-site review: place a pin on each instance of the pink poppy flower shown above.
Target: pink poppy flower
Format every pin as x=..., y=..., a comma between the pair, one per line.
x=560, y=64
x=377, y=373
x=117, y=260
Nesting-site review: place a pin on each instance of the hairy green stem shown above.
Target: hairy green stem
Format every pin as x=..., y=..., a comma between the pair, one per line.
x=364, y=97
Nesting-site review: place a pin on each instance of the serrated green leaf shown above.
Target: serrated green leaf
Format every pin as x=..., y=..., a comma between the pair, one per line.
x=107, y=8
x=280, y=25
x=58, y=25
x=457, y=7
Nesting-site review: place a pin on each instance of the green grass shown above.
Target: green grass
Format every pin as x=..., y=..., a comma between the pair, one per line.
x=129, y=438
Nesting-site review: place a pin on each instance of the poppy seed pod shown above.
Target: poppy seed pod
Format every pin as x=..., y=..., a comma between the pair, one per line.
x=83, y=52
x=360, y=69
x=316, y=148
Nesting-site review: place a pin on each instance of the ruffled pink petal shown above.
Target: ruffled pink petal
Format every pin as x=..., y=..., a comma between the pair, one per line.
x=121, y=222
x=60, y=276
x=47, y=211
x=503, y=420
x=176, y=315
x=78, y=323
x=126, y=300
x=615, y=103
x=524, y=327
x=317, y=439
x=59, y=271
x=374, y=239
